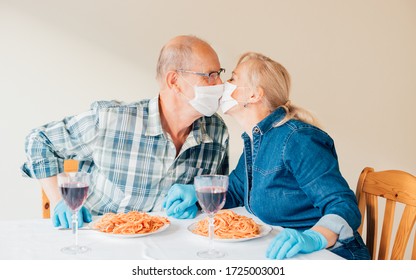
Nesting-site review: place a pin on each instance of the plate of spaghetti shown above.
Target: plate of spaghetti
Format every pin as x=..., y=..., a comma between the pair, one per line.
x=130, y=225
x=231, y=227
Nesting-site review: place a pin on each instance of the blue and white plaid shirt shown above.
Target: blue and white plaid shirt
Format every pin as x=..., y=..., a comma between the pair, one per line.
x=133, y=161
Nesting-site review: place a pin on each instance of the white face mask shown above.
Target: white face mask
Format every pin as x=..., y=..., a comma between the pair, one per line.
x=206, y=100
x=227, y=101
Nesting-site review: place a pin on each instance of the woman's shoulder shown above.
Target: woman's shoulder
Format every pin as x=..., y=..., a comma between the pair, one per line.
x=297, y=128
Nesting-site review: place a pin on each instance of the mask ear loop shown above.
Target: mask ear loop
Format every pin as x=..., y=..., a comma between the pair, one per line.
x=245, y=105
x=186, y=81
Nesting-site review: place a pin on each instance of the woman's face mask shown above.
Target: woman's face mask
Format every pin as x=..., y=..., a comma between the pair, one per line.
x=227, y=101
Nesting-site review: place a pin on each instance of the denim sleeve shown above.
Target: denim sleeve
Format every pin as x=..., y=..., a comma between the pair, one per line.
x=47, y=146
x=235, y=194
x=311, y=157
x=336, y=224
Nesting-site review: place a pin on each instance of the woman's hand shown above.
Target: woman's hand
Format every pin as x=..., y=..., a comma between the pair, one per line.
x=290, y=242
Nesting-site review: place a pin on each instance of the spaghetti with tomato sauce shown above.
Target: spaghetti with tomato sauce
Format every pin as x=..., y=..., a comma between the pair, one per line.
x=133, y=222
x=229, y=225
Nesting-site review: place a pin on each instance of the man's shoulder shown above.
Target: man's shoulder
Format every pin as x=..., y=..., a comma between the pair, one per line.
x=115, y=105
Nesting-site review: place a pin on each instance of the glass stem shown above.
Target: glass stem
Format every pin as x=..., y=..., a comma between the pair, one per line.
x=75, y=227
x=211, y=233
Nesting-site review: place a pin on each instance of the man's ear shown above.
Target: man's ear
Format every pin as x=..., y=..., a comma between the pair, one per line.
x=172, y=81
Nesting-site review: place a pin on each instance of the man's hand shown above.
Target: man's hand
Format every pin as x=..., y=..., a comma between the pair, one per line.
x=180, y=202
x=62, y=216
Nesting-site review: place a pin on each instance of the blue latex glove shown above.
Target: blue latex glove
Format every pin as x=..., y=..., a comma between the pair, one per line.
x=180, y=202
x=62, y=216
x=290, y=242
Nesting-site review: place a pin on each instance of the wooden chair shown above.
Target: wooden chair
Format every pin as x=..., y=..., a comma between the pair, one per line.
x=394, y=186
x=70, y=165
x=46, y=211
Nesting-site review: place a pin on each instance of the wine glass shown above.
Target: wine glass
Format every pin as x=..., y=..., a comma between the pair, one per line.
x=74, y=189
x=211, y=191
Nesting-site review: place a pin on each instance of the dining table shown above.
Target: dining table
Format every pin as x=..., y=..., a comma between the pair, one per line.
x=37, y=239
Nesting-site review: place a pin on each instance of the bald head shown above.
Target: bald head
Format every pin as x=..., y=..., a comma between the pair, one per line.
x=184, y=52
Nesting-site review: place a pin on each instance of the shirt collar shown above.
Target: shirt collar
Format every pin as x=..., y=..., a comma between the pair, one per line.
x=198, y=133
x=154, y=126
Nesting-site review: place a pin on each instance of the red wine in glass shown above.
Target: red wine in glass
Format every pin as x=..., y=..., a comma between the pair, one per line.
x=211, y=193
x=74, y=194
x=74, y=190
x=211, y=199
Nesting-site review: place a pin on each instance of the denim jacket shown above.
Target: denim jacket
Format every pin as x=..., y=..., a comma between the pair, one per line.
x=289, y=176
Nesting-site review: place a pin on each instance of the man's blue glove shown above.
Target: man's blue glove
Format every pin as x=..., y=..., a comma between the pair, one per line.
x=62, y=216
x=290, y=242
x=180, y=202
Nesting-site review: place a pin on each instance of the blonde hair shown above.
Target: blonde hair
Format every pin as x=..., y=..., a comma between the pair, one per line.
x=263, y=72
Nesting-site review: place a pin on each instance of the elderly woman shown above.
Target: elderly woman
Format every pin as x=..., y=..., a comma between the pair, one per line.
x=288, y=174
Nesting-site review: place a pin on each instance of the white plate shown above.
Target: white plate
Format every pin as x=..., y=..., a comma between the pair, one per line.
x=264, y=230
x=131, y=235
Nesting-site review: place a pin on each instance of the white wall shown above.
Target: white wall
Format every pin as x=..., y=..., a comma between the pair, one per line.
x=353, y=63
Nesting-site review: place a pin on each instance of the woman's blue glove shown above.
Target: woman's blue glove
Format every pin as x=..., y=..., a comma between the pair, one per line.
x=290, y=242
x=62, y=216
x=180, y=202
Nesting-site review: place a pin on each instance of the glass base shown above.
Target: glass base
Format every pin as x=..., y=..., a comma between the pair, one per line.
x=211, y=254
x=73, y=250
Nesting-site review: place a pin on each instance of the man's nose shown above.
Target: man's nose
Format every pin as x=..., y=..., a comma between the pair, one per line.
x=218, y=81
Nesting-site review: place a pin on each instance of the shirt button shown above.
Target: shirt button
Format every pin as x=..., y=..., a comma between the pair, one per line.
x=256, y=130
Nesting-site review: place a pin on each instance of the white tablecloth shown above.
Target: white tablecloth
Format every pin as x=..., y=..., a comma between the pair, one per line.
x=38, y=239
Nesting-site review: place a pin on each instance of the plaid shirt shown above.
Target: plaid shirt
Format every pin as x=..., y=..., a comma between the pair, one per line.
x=133, y=161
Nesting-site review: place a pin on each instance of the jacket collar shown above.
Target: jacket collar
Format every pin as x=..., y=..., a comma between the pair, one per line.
x=267, y=123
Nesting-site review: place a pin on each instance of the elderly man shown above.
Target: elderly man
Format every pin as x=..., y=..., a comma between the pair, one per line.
x=137, y=151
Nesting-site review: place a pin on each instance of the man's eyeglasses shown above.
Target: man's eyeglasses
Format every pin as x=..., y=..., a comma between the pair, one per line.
x=212, y=76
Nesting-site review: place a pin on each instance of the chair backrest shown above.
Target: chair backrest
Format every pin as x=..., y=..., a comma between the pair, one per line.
x=394, y=186
x=46, y=211
x=70, y=165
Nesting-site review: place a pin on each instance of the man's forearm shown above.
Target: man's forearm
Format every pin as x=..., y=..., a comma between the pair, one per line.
x=50, y=187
